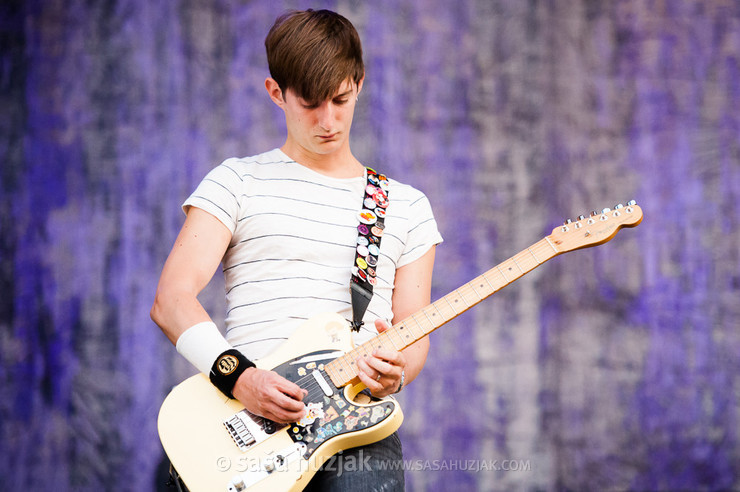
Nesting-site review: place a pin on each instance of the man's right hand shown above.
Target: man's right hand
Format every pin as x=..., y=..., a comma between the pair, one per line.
x=270, y=395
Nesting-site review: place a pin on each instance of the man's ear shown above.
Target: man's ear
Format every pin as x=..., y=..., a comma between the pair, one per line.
x=274, y=91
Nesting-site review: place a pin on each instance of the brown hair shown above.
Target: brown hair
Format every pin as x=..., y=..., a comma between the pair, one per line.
x=313, y=52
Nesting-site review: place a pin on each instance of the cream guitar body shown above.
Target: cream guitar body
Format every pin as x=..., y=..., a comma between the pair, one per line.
x=215, y=444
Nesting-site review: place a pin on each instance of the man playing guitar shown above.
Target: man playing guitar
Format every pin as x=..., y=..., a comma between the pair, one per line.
x=284, y=224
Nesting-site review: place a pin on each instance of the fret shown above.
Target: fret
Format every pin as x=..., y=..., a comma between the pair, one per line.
x=348, y=360
x=550, y=243
x=368, y=348
x=345, y=369
x=389, y=334
x=467, y=290
x=410, y=330
x=394, y=332
x=406, y=335
x=431, y=323
x=510, y=269
x=379, y=342
x=417, y=325
x=493, y=289
x=533, y=256
x=361, y=351
x=329, y=369
x=451, y=306
x=476, y=292
x=502, y=274
x=481, y=280
x=462, y=296
x=525, y=261
x=443, y=318
x=513, y=258
x=443, y=305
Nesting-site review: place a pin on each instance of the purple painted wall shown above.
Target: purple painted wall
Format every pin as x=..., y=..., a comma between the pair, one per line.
x=610, y=368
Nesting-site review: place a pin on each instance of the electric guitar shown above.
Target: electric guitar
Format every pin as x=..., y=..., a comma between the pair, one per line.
x=214, y=443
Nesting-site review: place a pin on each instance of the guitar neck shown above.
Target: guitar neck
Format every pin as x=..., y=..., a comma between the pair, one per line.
x=344, y=369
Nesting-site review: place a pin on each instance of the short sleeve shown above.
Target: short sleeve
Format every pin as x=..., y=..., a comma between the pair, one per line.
x=219, y=194
x=422, y=233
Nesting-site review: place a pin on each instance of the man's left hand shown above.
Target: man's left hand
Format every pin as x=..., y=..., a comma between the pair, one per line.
x=382, y=371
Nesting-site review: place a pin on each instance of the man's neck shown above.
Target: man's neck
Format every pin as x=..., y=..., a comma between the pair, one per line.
x=341, y=164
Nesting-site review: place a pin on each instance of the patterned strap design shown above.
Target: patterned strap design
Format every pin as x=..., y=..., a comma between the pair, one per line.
x=370, y=232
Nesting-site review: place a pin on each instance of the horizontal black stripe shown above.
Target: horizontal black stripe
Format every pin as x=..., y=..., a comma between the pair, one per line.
x=260, y=340
x=283, y=279
x=221, y=185
x=213, y=203
x=420, y=224
x=263, y=321
x=233, y=171
x=292, y=236
x=293, y=199
x=294, y=180
x=299, y=217
x=324, y=265
x=287, y=298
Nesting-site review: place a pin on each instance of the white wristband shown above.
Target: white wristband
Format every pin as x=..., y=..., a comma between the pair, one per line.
x=201, y=344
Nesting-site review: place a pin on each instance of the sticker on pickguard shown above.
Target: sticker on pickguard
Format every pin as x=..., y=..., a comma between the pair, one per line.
x=313, y=411
x=378, y=413
x=325, y=432
x=329, y=415
x=351, y=422
x=301, y=371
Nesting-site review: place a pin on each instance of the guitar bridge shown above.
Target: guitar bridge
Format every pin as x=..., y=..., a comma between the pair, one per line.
x=239, y=432
x=246, y=429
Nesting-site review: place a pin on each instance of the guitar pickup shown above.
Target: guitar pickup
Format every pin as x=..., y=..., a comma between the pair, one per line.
x=322, y=383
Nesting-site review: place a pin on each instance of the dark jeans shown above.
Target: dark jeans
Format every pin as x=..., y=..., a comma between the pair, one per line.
x=375, y=467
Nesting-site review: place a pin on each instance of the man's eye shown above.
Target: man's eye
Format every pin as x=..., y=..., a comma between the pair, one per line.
x=341, y=101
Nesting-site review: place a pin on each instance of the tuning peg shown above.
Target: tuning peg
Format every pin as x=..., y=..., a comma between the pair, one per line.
x=606, y=211
x=594, y=213
x=581, y=217
x=567, y=222
x=618, y=206
x=631, y=203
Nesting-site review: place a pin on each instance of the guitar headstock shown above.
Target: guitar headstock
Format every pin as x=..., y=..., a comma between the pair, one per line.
x=595, y=229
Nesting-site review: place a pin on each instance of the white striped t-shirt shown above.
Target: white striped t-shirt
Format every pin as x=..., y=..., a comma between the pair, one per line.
x=294, y=234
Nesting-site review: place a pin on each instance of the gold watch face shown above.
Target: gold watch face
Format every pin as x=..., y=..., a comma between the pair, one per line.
x=227, y=364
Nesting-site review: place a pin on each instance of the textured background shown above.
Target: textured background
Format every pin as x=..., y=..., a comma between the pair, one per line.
x=610, y=368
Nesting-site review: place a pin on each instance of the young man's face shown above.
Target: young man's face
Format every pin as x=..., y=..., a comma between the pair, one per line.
x=323, y=128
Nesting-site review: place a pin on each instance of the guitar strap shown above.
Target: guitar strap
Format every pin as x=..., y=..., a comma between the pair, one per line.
x=370, y=232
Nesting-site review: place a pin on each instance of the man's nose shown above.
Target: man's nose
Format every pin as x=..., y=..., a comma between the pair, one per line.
x=326, y=113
